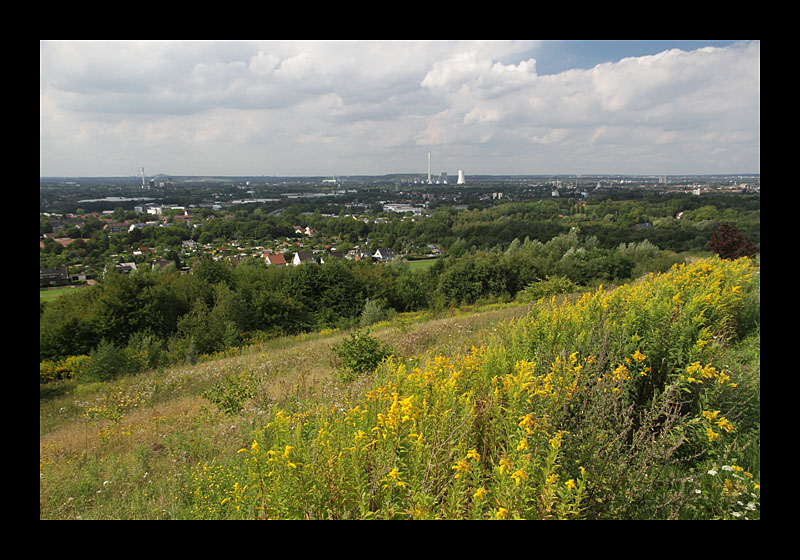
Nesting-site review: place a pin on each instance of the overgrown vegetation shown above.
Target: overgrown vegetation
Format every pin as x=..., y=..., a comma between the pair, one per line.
x=635, y=402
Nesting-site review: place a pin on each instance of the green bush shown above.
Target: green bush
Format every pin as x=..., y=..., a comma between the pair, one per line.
x=230, y=394
x=359, y=354
x=108, y=362
x=373, y=312
x=550, y=286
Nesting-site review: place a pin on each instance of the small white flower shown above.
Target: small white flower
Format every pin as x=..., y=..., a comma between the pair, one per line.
x=727, y=468
x=106, y=482
x=751, y=506
x=712, y=472
x=736, y=514
x=698, y=491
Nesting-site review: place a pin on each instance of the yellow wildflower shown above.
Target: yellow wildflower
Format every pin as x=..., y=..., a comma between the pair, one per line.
x=638, y=356
x=473, y=454
x=527, y=422
x=724, y=424
x=505, y=463
x=502, y=513
x=461, y=466
x=519, y=476
x=570, y=483
x=479, y=493
x=523, y=445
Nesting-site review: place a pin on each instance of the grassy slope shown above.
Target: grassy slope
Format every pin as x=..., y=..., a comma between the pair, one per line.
x=115, y=450
x=125, y=450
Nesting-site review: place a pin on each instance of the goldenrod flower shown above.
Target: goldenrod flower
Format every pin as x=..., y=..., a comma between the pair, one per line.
x=724, y=424
x=502, y=513
x=505, y=464
x=479, y=493
x=527, y=422
x=638, y=356
x=519, y=476
x=473, y=454
x=461, y=466
x=570, y=483
x=523, y=445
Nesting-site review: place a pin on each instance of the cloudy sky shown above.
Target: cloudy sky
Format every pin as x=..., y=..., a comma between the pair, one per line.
x=294, y=108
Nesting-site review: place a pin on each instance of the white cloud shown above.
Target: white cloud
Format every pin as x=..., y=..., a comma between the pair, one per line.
x=383, y=104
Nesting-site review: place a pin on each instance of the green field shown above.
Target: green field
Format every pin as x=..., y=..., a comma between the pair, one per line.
x=417, y=266
x=54, y=293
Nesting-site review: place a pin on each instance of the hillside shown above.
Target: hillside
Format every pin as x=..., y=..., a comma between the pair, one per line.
x=607, y=404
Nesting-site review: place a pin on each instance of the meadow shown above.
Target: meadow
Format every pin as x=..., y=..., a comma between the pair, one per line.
x=640, y=401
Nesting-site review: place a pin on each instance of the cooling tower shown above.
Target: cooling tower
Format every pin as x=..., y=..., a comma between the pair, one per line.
x=461, y=180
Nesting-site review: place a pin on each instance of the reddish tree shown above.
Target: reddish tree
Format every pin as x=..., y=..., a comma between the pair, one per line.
x=730, y=243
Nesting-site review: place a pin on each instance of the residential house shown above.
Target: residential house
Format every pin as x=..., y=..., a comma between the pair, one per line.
x=301, y=257
x=332, y=255
x=53, y=277
x=113, y=227
x=385, y=254
x=126, y=268
x=275, y=260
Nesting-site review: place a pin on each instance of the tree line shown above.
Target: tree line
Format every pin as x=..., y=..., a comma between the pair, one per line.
x=164, y=316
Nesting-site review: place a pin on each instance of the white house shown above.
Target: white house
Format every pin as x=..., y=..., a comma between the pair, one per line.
x=385, y=254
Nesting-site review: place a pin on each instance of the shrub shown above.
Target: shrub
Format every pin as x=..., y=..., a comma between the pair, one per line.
x=550, y=286
x=730, y=243
x=373, y=312
x=359, y=354
x=230, y=394
x=70, y=367
x=108, y=362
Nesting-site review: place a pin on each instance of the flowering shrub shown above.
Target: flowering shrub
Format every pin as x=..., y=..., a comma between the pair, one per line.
x=66, y=368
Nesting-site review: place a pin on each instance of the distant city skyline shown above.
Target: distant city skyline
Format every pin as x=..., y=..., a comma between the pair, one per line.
x=325, y=108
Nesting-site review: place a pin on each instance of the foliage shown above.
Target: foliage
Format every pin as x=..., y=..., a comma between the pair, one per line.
x=230, y=394
x=70, y=367
x=166, y=318
x=359, y=354
x=729, y=242
x=640, y=402
x=573, y=416
x=550, y=286
x=107, y=362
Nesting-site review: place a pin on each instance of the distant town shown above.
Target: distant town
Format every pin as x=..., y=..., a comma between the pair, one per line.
x=90, y=223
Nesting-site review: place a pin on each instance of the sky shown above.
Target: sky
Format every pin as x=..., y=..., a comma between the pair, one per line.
x=325, y=108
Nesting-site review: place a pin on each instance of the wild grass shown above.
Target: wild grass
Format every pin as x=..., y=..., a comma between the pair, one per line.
x=613, y=404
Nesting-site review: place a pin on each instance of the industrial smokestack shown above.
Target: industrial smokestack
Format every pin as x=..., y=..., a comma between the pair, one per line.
x=429, y=168
x=461, y=180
